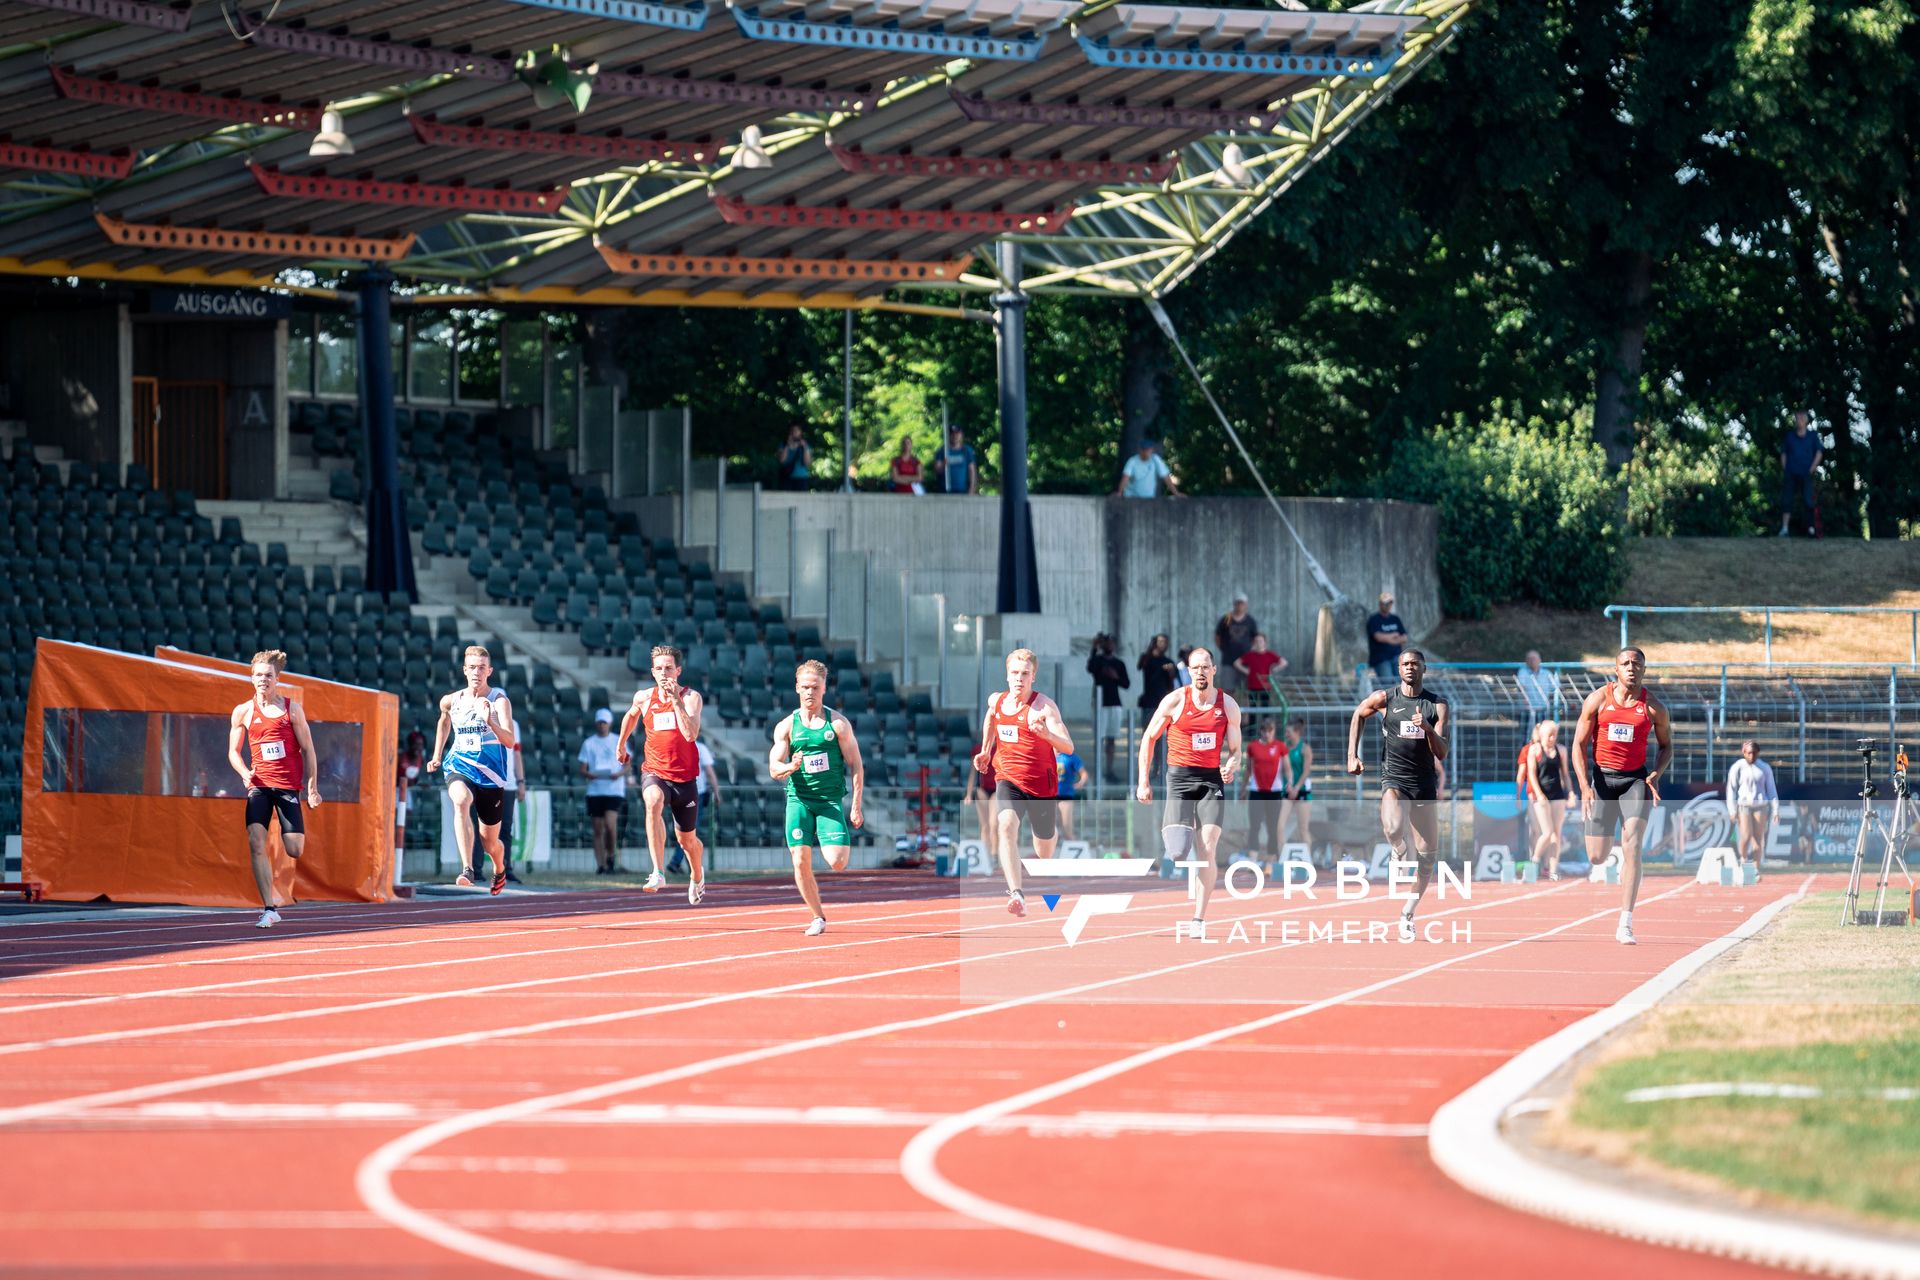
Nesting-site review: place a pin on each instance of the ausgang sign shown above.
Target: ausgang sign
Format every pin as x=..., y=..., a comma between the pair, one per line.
x=220, y=304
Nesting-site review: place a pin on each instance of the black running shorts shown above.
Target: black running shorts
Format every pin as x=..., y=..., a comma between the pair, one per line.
x=1041, y=813
x=1617, y=797
x=1204, y=788
x=264, y=802
x=683, y=799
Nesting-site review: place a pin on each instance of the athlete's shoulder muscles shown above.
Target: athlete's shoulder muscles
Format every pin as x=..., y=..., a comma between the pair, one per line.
x=842, y=727
x=1373, y=703
x=239, y=716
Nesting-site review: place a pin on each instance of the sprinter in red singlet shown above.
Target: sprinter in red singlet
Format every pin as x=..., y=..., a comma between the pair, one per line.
x=270, y=747
x=1020, y=735
x=1615, y=722
x=669, y=717
x=1202, y=725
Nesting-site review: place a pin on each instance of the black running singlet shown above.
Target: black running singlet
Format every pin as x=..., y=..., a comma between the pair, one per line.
x=1405, y=758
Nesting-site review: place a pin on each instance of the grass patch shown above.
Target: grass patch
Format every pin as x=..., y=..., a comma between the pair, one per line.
x=1721, y=571
x=1806, y=1003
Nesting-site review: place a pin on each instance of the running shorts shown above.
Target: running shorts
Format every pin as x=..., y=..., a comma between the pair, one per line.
x=1039, y=812
x=489, y=803
x=264, y=802
x=683, y=798
x=1204, y=788
x=1617, y=797
x=816, y=824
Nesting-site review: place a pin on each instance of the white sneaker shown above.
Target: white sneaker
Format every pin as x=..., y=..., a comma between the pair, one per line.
x=655, y=883
x=1197, y=929
x=818, y=927
x=696, y=890
x=268, y=919
x=1017, y=905
x=1624, y=935
x=1407, y=933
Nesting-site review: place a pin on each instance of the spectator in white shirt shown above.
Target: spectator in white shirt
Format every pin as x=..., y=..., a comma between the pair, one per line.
x=1539, y=685
x=1752, y=800
x=606, y=791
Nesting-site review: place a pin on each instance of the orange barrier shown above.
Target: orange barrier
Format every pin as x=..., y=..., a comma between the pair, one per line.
x=349, y=855
x=126, y=790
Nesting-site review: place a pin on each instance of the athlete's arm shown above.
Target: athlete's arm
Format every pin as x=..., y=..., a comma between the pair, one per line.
x=687, y=704
x=856, y=769
x=237, y=746
x=983, y=758
x=1156, y=725
x=1053, y=726
x=441, y=730
x=1230, y=764
x=1663, y=734
x=1582, y=739
x=310, y=758
x=1437, y=731
x=1534, y=776
x=779, y=762
x=627, y=722
x=1371, y=705
x=500, y=713
x=1306, y=768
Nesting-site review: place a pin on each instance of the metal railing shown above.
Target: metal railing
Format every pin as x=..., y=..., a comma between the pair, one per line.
x=1625, y=612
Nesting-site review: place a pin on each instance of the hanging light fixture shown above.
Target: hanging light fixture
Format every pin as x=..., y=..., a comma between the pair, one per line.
x=555, y=81
x=752, y=152
x=332, y=140
x=1233, y=168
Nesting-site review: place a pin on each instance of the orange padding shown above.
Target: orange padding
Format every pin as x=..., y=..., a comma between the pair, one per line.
x=192, y=849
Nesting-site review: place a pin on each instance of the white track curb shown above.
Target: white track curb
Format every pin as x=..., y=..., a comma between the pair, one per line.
x=1465, y=1140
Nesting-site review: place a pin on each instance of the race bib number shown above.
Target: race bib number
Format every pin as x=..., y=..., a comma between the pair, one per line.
x=815, y=762
x=1206, y=741
x=666, y=722
x=1008, y=732
x=1619, y=733
x=467, y=743
x=273, y=751
x=1408, y=729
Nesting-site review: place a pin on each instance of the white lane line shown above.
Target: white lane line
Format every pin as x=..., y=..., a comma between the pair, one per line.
x=1467, y=1142
x=919, y=1161
x=374, y=1178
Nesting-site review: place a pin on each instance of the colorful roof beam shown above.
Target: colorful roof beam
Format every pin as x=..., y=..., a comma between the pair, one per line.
x=688, y=89
x=1237, y=60
x=691, y=17
x=931, y=41
x=138, y=97
x=616, y=151
x=979, y=222
x=1014, y=111
x=77, y=164
x=1004, y=168
x=727, y=266
x=417, y=59
x=161, y=17
x=418, y=195
x=264, y=244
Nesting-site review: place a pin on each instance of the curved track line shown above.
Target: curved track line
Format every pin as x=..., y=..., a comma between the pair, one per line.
x=919, y=1161
x=374, y=1178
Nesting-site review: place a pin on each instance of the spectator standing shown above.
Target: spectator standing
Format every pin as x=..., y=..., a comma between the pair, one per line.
x=1386, y=637
x=796, y=459
x=1159, y=673
x=1549, y=784
x=1141, y=476
x=1539, y=687
x=1109, y=677
x=1232, y=636
x=1297, y=778
x=1800, y=455
x=515, y=783
x=1259, y=666
x=956, y=465
x=1073, y=776
x=1753, y=802
x=904, y=476
x=1184, y=676
x=606, y=791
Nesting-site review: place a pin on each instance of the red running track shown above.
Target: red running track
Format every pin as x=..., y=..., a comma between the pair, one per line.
x=601, y=1084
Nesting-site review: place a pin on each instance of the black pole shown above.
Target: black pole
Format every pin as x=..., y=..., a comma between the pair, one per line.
x=389, y=547
x=1019, y=575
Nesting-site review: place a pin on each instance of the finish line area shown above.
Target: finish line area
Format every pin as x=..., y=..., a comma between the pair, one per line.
x=595, y=1084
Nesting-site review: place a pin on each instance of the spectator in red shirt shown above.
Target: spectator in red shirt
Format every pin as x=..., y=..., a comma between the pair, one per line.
x=905, y=475
x=1259, y=665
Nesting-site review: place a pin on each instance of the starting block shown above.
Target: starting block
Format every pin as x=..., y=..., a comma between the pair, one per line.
x=968, y=857
x=1520, y=873
x=1607, y=872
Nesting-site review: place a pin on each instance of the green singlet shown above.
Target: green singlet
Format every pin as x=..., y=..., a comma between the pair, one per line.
x=815, y=818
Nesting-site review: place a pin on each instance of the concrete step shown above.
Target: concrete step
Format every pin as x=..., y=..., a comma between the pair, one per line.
x=306, y=485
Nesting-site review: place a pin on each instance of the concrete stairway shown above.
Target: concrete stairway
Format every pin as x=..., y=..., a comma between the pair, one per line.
x=314, y=532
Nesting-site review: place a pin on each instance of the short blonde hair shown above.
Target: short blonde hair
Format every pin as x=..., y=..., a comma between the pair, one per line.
x=667, y=651
x=275, y=658
x=811, y=667
x=479, y=651
x=1024, y=656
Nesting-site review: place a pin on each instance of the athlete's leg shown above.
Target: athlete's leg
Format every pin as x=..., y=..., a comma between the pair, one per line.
x=1632, y=832
x=495, y=848
x=1393, y=820
x=1208, y=855
x=462, y=796
x=686, y=831
x=1557, y=820
x=262, y=863
x=1043, y=819
x=1006, y=842
x=1544, y=832
x=655, y=798
x=804, y=881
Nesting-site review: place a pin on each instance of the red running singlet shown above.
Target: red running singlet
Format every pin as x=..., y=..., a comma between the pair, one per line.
x=1264, y=759
x=1021, y=756
x=274, y=748
x=669, y=754
x=1198, y=736
x=1620, y=741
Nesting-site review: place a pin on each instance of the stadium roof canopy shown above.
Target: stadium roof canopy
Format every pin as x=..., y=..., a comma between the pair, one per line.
x=785, y=152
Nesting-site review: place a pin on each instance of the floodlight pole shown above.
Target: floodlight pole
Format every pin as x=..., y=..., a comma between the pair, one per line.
x=389, y=546
x=846, y=406
x=1019, y=575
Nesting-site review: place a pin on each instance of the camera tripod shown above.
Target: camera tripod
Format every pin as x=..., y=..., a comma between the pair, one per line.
x=1893, y=842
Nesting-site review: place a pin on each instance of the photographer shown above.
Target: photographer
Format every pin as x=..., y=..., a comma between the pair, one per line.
x=1109, y=677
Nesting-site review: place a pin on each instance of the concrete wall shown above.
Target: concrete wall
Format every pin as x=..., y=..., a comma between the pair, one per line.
x=67, y=382
x=1134, y=567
